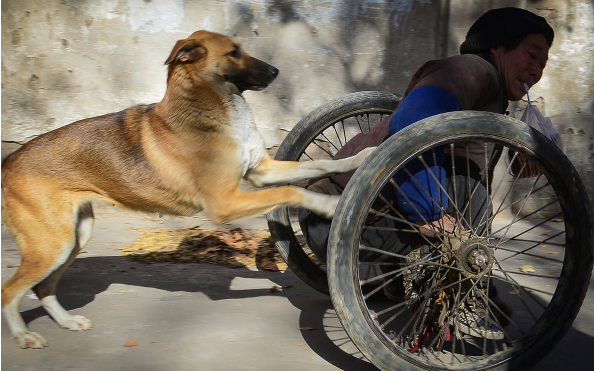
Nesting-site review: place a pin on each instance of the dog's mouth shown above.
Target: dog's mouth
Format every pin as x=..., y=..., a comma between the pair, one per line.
x=252, y=87
x=256, y=78
x=246, y=82
x=244, y=85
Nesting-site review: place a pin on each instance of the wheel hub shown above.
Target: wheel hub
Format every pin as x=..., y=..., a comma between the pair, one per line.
x=475, y=257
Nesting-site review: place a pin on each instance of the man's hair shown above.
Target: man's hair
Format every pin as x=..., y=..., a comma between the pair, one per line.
x=505, y=27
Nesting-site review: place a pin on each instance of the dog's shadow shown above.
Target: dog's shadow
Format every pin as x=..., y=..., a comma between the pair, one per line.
x=91, y=276
x=88, y=277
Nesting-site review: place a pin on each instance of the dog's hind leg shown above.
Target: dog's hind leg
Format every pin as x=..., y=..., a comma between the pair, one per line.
x=46, y=244
x=46, y=289
x=10, y=310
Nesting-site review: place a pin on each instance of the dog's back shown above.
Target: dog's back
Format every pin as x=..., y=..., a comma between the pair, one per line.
x=100, y=157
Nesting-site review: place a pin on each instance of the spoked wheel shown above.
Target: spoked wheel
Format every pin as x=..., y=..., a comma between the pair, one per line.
x=320, y=135
x=497, y=290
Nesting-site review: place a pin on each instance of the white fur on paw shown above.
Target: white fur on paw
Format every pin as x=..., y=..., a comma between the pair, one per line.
x=321, y=204
x=361, y=156
x=77, y=323
x=31, y=340
x=328, y=207
x=367, y=151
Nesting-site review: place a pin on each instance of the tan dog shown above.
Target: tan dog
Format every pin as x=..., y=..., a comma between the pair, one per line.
x=182, y=155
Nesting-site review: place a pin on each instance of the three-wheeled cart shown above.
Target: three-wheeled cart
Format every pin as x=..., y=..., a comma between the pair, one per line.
x=523, y=261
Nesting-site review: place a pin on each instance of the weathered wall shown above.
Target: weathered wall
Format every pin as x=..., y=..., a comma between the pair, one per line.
x=64, y=60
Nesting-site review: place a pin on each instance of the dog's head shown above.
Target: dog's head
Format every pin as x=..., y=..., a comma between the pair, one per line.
x=216, y=58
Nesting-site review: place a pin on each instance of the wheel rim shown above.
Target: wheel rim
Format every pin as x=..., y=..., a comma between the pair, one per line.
x=525, y=258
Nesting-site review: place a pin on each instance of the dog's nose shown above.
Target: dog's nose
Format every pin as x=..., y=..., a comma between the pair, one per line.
x=274, y=71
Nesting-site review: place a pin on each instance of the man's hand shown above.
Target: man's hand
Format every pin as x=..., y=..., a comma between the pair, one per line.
x=447, y=224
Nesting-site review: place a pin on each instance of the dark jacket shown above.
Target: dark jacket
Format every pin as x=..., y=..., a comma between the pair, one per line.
x=472, y=79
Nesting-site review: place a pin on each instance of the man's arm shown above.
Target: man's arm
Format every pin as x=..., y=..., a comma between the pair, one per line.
x=420, y=103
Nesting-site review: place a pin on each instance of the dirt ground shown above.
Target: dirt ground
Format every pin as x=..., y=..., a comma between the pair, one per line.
x=189, y=316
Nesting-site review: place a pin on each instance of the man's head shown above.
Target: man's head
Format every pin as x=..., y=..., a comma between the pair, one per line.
x=504, y=27
x=517, y=40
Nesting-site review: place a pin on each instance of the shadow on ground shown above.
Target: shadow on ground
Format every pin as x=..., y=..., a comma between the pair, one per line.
x=89, y=277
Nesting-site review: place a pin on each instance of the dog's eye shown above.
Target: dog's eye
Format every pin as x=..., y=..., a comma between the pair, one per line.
x=236, y=53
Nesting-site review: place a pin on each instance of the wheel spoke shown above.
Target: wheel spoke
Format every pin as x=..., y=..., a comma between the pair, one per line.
x=315, y=142
x=338, y=135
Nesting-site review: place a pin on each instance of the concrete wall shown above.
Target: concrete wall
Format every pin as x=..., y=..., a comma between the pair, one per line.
x=64, y=60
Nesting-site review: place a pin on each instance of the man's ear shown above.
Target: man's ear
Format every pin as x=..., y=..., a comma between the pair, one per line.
x=186, y=51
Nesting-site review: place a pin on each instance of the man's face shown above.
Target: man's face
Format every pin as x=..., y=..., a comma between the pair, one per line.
x=523, y=64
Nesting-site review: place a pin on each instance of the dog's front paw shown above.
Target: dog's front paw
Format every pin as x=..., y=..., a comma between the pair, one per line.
x=367, y=151
x=321, y=204
x=327, y=207
x=77, y=323
x=358, y=159
x=31, y=340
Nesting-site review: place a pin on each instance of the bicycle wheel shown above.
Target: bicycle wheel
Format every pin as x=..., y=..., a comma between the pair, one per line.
x=319, y=135
x=531, y=240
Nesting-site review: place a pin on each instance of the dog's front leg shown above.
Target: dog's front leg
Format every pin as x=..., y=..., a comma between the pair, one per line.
x=269, y=171
x=226, y=206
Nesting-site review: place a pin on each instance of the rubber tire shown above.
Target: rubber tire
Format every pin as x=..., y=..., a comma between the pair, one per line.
x=381, y=165
x=292, y=148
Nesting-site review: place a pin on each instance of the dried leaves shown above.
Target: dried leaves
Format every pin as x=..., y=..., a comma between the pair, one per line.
x=527, y=269
x=232, y=248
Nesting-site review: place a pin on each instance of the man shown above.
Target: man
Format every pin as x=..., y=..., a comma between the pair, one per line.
x=504, y=50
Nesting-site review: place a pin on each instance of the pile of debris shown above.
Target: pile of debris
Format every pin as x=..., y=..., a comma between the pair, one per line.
x=232, y=248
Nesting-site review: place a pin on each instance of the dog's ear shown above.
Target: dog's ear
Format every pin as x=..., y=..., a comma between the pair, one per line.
x=186, y=51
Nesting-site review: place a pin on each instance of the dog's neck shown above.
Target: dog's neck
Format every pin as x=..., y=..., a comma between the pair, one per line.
x=190, y=106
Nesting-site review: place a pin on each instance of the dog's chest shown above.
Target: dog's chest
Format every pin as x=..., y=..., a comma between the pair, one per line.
x=244, y=131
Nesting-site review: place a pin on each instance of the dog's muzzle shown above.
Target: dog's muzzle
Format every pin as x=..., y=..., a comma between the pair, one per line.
x=256, y=76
